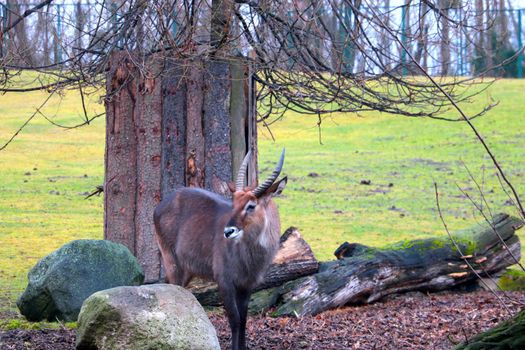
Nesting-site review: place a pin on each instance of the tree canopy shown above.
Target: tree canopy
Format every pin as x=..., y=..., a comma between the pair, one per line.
x=314, y=57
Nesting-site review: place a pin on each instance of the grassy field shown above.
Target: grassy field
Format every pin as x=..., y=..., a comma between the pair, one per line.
x=46, y=172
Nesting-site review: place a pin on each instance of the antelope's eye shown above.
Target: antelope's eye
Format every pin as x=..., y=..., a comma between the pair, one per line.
x=250, y=207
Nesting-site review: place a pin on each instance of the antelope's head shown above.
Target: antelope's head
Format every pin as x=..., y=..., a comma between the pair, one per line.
x=250, y=205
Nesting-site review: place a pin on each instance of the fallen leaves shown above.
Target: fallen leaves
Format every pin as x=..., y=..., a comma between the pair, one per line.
x=409, y=321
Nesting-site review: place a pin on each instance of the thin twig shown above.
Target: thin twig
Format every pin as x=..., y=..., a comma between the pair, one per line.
x=464, y=116
x=461, y=253
x=37, y=110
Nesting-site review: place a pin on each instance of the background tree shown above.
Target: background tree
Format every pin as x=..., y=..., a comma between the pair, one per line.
x=340, y=44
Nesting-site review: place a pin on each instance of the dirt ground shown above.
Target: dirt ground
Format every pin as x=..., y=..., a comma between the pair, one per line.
x=410, y=321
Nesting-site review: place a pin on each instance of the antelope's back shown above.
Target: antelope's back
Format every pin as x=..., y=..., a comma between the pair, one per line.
x=191, y=214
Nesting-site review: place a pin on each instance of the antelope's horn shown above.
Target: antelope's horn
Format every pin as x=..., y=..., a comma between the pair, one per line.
x=239, y=184
x=270, y=180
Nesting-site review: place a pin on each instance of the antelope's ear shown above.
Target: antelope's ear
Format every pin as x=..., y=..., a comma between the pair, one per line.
x=231, y=186
x=277, y=187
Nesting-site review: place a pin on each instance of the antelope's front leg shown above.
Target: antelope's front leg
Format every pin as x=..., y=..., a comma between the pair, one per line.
x=228, y=295
x=243, y=299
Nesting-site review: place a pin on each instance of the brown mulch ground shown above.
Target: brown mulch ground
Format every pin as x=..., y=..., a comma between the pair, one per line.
x=410, y=321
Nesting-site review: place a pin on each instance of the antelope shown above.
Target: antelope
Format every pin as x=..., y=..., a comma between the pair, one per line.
x=231, y=242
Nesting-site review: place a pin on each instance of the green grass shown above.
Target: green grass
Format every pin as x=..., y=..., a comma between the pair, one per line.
x=19, y=323
x=513, y=280
x=45, y=171
x=401, y=157
x=408, y=153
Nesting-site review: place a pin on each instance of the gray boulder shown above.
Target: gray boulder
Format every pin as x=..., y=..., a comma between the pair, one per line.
x=60, y=282
x=160, y=316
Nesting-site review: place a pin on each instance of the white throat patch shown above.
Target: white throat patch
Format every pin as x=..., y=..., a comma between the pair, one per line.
x=264, y=236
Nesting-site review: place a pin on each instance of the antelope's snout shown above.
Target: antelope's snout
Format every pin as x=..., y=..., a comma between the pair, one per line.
x=232, y=232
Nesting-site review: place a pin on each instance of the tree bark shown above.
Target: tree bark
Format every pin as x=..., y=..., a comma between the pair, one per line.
x=445, y=43
x=217, y=127
x=488, y=36
x=148, y=119
x=169, y=124
x=385, y=37
x=195, y=133
x=80, y=24
x=175, y=95
x=479, y=61
x=221, y=17
x=24, y=47
x=421, y=53
x=120, y=183
x=364, y=274
x=503, y=27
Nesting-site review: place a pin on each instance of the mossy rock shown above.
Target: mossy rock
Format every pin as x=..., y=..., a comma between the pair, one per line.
x=60, y=282
x=157, y=317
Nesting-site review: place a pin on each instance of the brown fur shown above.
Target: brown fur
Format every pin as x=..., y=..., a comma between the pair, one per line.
x=190, y=226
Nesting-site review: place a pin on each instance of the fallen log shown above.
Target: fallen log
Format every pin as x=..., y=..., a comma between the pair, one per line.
x=293, y=260
x=365, y=274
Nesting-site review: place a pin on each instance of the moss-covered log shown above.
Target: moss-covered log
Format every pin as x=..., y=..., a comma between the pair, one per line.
x=507, y=335
x=364, y=274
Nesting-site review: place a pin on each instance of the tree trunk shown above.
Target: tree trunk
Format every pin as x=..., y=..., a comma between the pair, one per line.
x=24, y=47
x=385, y=36
x=355, y=35
x=445, y=44
x=421, y=53
x=503, y=27
x=80, y=24
x=169, y=125
x=488, y=36
x=221, y=18
x=479, y=60
x=335, y=33
x=364, y=274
